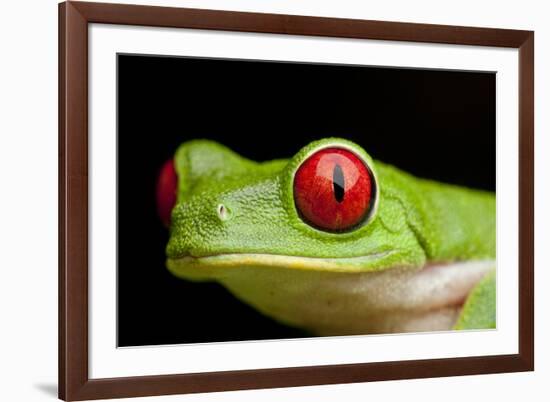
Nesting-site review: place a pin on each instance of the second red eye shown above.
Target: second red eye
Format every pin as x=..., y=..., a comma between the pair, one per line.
x=333, y=189
x=167, y=191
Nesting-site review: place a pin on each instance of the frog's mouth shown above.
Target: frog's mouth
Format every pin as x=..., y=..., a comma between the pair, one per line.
x=374, y=260
x=450, y=280
x=433, y=285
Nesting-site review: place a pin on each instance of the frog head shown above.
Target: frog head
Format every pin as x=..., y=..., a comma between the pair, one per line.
x=328, y=208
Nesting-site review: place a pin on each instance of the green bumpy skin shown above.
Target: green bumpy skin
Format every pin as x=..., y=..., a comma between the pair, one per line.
x=235, y=221
x=480, y=308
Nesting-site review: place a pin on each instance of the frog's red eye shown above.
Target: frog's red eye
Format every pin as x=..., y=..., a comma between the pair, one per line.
x=334, y=190
x=167, y=187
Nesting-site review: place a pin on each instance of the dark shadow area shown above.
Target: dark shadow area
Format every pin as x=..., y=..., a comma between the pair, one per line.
x=48, y=389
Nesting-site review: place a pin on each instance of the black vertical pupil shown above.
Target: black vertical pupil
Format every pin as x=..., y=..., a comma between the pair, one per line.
x=338, y=182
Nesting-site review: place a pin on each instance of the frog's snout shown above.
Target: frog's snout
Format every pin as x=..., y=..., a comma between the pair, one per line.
x=166, y=192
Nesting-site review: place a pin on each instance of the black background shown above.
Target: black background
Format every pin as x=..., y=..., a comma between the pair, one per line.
x=434, y=124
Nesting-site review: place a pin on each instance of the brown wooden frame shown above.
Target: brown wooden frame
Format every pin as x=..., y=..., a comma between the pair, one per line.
x=74, y=17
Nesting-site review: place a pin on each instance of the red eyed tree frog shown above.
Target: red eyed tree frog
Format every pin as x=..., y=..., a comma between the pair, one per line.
x=331, y=240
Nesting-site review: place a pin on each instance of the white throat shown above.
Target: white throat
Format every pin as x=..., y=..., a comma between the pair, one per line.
x=332, y=303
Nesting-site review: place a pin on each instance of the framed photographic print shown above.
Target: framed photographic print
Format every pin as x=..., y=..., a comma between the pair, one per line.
x=258, y=200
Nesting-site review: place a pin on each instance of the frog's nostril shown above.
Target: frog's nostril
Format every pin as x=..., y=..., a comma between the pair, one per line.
x=167, y=188
x=223, y=212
